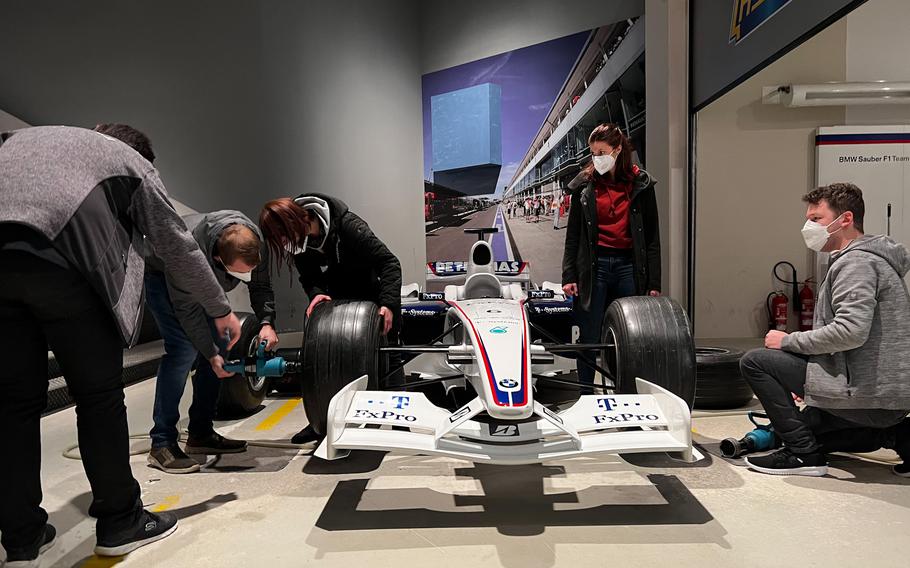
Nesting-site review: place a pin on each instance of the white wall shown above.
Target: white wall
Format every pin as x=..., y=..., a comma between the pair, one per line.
x=754, y=162
x=878, y=43
x=243, y=101
x=667, y=135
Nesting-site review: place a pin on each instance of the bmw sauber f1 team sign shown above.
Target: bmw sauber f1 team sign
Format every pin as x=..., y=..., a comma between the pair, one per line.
x=748, y=15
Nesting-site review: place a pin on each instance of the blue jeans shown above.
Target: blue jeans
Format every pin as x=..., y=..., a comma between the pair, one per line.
x=176, y=364
x=614, y=279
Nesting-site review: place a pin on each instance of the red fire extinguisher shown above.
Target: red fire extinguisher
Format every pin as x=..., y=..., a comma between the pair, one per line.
x=777, y=310
x=806, y=307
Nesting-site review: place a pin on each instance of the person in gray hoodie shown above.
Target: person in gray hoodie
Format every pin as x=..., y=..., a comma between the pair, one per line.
x=76, y=209
x=235, y=251
x=853, y=368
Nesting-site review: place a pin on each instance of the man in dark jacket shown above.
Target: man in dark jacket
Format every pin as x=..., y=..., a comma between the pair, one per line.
x=853, y=368
x=338, y=257
x=235, y=252
x=74, y=206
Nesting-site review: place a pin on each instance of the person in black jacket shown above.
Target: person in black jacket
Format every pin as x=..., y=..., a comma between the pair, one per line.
x=337, y=256
x=612, y=247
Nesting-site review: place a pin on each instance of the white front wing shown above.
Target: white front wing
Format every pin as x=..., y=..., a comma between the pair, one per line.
x=655, y=420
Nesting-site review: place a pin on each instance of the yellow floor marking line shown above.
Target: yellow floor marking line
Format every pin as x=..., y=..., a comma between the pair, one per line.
x=278, y=415
x=166, y=503
x=102, y=561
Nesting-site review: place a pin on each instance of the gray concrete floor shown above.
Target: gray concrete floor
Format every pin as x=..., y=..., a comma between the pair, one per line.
x=275, y=507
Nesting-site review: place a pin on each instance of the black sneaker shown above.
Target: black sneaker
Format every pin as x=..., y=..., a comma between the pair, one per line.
x=306, y=436
x=902, y=447
x=214, y=443
x=785, y=462
x=26, y=557
x=171, y=459
x=150, y=528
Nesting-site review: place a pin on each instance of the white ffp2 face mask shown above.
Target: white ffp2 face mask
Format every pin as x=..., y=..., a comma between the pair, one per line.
x=604, y=163
x=242, y=276
x=816, y=235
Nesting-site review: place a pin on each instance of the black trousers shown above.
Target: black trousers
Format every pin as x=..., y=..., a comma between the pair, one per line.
x=43, y=304
x=774, y=374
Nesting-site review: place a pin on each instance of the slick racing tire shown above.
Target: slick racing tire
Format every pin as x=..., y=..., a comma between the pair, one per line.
x=652, y=341
x=719, y=383
x=241, y=395
x=341, y=343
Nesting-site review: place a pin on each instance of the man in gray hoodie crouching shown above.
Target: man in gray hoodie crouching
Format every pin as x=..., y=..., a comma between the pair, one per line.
x=853, y=368
x=233, y=247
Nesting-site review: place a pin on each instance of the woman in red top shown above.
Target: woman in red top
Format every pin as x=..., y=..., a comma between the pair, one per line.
x=612, y=247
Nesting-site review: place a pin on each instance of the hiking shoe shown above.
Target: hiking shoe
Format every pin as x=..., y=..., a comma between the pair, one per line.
x=27, y=557
x=901, y=469
x=150, y=528
x=306, y=436
x=214, y=443
x=785, y=462
x=171, y=459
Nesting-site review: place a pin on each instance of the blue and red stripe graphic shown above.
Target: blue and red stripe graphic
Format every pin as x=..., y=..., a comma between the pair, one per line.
x=503, y=398
x=842, y=139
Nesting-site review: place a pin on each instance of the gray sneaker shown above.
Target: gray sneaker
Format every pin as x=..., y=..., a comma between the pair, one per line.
x=171, y=459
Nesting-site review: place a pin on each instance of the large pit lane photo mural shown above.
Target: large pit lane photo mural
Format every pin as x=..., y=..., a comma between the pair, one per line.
x=504, y=136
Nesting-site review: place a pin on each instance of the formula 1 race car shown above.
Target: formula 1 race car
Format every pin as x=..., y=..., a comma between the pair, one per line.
x=463, y=383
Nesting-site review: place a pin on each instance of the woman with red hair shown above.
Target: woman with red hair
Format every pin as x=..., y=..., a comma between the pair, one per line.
x=337, y=256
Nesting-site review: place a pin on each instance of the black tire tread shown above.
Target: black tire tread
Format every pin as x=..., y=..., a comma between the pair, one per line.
x=654, y=342
x=340, y=344
x=720, y=382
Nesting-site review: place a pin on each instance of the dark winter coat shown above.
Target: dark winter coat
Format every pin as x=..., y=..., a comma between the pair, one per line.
x=580, y=255
x=353, y=263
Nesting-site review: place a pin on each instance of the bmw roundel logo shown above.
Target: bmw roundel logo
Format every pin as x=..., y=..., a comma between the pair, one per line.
x=499, y=329
x=508, y=383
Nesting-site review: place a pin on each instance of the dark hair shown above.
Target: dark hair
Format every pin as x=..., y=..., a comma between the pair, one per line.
x=840, y=197
x=239, y=242
x=129, y=136
x=612, y=135
x=282, y=221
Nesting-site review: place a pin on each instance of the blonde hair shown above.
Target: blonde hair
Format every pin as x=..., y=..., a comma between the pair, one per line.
x=239, y=242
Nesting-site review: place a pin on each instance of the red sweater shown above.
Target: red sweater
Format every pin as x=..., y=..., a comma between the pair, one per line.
x=613, y=214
